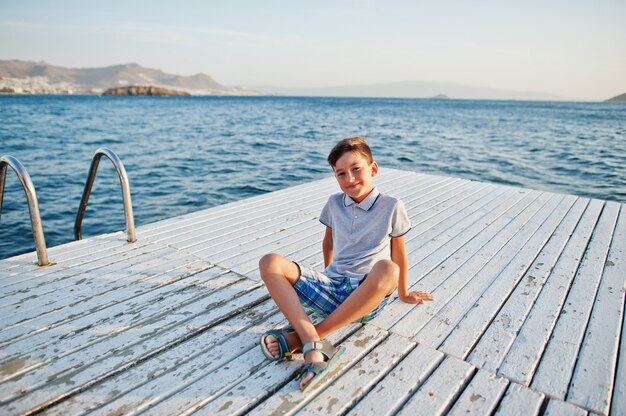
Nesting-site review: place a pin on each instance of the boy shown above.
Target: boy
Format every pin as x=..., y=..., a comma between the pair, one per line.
x=364, y=257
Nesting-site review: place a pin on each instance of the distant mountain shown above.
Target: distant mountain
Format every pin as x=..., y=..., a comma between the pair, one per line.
x=414, y=89
x=44, y=75
x=620, y=98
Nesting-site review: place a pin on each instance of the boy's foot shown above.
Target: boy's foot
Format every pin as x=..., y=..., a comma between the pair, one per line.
x=272, y=343
x=319, y=357
x=310, y=357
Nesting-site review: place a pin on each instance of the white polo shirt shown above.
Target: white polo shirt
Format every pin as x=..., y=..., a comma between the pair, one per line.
x=362, y=232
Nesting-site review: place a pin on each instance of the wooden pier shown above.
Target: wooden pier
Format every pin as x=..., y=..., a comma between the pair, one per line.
x=529, y=316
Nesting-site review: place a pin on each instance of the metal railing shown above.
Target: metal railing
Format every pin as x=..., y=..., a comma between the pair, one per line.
x=128, y=206
x=33, y=205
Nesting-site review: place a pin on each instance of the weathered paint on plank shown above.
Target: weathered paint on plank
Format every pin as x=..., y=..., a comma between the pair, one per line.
x=178, y=366
x=499, y=336
x=278, y=377
x=144, y=271
x=481, y=396
x=438, y=393
x=126, y=315
x=479, y=317
x=289, y=399
x=124, y=350
x=558, y=408
x=359, y=380
x=521, y=360
x=520, y=401
x=389, y=394
x=555, y=369
x=593, y=381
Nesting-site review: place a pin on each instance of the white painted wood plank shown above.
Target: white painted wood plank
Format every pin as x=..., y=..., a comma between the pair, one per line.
x=92, y=307
x=414, y=321
x=151, y=381
x=520, y=401
x=123, y=350
x=252, y=222
x=233, y=223
x=558, y=408
x=13, y=269
x=287, y=397
x=356, y=382
x=125, y=315
x=523, y=356
x=472, y=326
x=133, y=277
x=76, y=268
x=555, y=369
x=481, y=396
x=618, y=401
x=36, y=275
x=439, y=392
x=172, y=224
x=75, y=280
x=494, y=344
x=593, y=382
x=387, y=396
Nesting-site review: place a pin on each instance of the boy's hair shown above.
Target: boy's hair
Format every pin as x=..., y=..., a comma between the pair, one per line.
x=352, y=144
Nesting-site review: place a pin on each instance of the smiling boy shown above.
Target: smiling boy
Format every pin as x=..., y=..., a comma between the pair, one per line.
x=365, y=260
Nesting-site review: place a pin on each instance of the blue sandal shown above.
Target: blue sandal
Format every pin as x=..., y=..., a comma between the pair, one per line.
x=319, y=368
x=284, y=349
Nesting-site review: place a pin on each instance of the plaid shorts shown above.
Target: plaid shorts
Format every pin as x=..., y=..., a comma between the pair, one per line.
x=324, y=295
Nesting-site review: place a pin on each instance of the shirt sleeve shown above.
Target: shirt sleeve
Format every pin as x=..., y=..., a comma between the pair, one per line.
x=400, y=222
x=325, y=217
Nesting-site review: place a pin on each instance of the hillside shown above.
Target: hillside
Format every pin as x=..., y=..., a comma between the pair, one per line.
x=41, y=77
x=618, y=98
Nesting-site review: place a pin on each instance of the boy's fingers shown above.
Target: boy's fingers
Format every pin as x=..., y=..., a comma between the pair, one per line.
x=424, y=295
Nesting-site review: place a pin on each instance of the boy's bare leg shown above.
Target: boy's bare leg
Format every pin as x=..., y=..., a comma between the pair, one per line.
x=380, y=282
x=279, y=275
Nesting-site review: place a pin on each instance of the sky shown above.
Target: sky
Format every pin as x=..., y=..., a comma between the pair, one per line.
x=571, y=48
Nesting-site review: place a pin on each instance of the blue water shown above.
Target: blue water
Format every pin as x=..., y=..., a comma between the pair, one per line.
x=186, y=154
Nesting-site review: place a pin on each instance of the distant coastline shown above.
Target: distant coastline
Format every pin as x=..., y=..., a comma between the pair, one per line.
x=41, y=78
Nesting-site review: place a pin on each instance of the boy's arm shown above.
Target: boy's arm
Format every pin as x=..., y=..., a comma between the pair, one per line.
x=327, y=246
x=399, y=256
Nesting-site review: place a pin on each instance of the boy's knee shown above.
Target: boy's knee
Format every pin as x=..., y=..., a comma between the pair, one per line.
x=387, y=274
x=388, y=269
x=267, y=261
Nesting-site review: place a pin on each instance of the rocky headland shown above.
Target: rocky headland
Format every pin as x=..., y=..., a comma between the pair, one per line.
x=145, y=90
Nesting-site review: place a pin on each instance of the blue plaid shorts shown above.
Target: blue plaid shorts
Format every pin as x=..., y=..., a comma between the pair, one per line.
x=324, y=294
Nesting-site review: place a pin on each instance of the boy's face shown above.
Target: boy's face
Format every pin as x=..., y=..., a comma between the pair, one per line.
x=355, y=175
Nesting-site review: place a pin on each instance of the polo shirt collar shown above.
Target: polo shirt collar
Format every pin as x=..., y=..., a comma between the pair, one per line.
x=366, y=204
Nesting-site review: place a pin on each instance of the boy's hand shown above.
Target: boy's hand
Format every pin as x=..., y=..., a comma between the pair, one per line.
x=416, y=297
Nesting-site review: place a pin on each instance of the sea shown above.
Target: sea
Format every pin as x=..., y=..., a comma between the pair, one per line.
x=184, y=154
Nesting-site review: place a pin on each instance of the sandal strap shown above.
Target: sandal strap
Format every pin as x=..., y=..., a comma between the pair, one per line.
x=324, y=347
x=315, y=368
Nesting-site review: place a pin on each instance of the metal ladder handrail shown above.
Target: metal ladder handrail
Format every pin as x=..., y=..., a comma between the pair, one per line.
x=33, y=205
x=121, y=172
